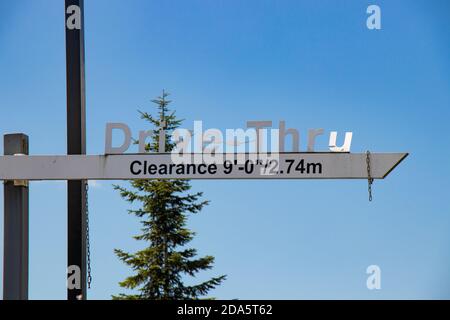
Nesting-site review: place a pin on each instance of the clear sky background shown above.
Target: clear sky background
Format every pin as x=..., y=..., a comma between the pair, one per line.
x=311, y=63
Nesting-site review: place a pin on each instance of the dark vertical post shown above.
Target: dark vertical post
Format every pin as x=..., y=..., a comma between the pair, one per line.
x=15, y=252
x=76, y=142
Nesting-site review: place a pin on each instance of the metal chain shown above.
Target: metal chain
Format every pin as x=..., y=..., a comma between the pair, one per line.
x=88, y=245
x=369, y=176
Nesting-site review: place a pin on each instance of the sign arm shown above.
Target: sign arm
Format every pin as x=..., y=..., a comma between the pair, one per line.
x=396, y=164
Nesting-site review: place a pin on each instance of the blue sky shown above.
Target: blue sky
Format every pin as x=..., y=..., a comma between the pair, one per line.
x=311, y=63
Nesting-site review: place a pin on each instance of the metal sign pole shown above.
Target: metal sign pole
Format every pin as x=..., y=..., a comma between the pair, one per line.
x=76, y=143
x=15, y=252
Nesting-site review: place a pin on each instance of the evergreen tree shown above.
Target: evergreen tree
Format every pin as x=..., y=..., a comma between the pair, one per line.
x=164, y=205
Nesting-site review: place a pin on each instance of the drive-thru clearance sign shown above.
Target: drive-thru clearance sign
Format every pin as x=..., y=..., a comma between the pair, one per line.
x=157, y=166
x=210, y=165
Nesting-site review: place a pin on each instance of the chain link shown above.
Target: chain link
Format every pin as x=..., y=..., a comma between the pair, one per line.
x=88, y=245
x=369, y=176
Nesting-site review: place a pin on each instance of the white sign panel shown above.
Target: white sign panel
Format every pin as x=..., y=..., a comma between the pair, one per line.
x=162, y=166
